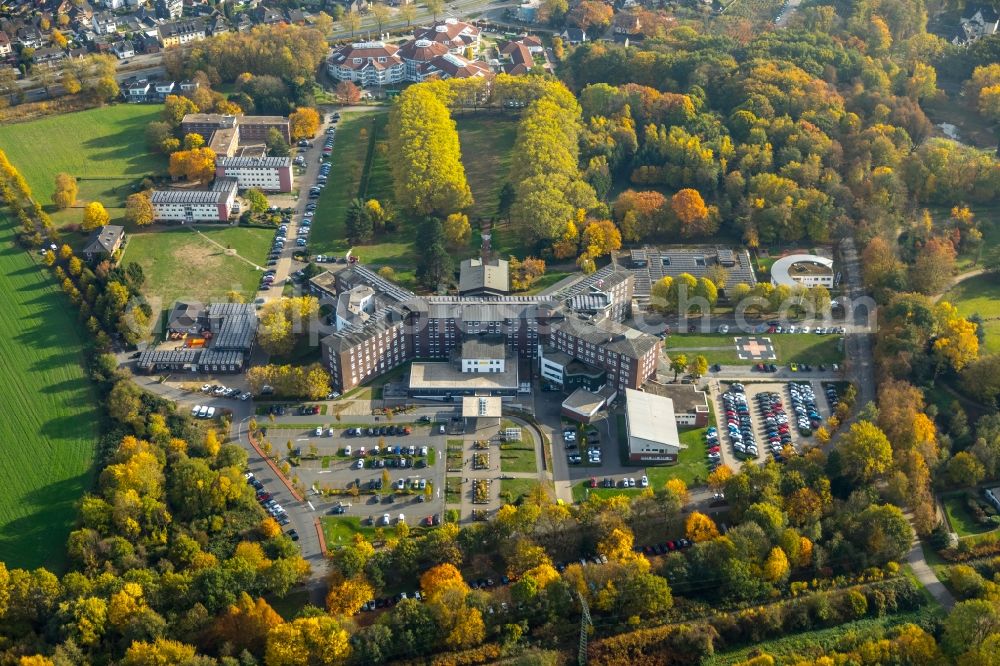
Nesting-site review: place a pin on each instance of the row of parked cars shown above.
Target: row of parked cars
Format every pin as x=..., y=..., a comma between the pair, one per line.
x=382, y=431
x=628, y=482
x=776, y=426
x=804, y=405
x=202, y=412
x=738, y=423
x=270, y=504
x=397, y=450
x=220, y=391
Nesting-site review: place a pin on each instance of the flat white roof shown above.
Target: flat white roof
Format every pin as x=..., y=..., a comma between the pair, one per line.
x=781, y=269
x=481, y=407
x=651, y=417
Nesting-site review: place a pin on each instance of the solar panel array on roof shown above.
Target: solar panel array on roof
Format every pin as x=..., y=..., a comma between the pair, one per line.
x=236, y=333
x=154, y=357
x=222, y=359
x=695, y=261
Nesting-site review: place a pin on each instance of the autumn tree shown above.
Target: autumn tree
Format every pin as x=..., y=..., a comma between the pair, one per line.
x=590, y=14
x=427, y=169
x=256, y=199
x=441, y=578
x=933, y=267
x=65, y=192
x=776, y=568
x=318, y=639
x=175, y=107
x=303, y=123
x=94, y=216
x=700, y=527
x=524, y=274
x=346, y=596
x=694, y=216
x=678, y=363
x=347, y=93
x=196, y=165
x=457, y=230
x=245, y=624
x=600, y=238
x=139, y=208
x=193, y=140
x=865, y=452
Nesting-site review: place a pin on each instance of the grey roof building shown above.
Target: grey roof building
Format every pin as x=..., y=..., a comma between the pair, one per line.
x=484, y=278
x=104, y=242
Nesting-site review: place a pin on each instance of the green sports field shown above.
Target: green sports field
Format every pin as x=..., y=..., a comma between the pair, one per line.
x=105, y=146
x=49, y=424
x=193, y=263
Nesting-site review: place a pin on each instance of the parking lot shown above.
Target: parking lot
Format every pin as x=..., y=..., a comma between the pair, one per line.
x=370, y=474
x=770, y=418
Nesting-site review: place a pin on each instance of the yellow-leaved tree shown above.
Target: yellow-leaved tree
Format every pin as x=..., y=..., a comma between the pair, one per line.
x=94, y=216
x=427, y=169
x=700, y=527
x=303, y=123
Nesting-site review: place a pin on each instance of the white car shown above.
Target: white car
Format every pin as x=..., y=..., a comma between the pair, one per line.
x=245, y=396
x=195, y=410
x=220, y=390
x=644, y=482
x=360, y=464
x=401, y=519
x=205, y=388
x=347, y=450
x=385, y=519
x=361, y=452
x=724, y=329
x=318, y=432
x=423, y=450
x=203, y=412
x=211, y=413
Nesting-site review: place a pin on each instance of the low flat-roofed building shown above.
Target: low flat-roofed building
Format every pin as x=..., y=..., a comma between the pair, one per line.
x=651, y=428
x=808, y=270
x=443, y=379
x=690, y=404
x=582, y=405
x=324, y=285
x=481, y=412
x=484, y=353
x=354, y=307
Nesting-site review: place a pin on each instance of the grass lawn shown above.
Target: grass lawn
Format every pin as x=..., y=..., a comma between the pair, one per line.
x=288, y=607
x=692, y=464
x=50, y=417
x=453, y=490
x=486, y=153
x=960, y=518
x=793, y=348
x=980, y=294
x=518, y=456
x=106, y=145
x=513, y=490
x=170, y=256
x=339, y=531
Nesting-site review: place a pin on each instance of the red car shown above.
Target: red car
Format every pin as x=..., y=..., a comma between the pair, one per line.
x=593, y=482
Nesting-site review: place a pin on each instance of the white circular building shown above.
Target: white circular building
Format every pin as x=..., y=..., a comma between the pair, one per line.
x=808, y=270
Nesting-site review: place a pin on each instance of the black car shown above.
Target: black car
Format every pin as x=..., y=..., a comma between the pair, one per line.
x=293, y=534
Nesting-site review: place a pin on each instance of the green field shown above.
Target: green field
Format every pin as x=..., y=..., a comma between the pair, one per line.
x=518, y=456
x=50, y=417
x=980, y=294
x=692, y=463
x=107, y=146
x=185, y=263
x=960, y=518
x=341, y=531
x=363, y=162
x=513, y=490
x=793, y=348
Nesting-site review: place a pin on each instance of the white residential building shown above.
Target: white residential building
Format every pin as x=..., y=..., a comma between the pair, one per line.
x=271, y=174
x=188, y=206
